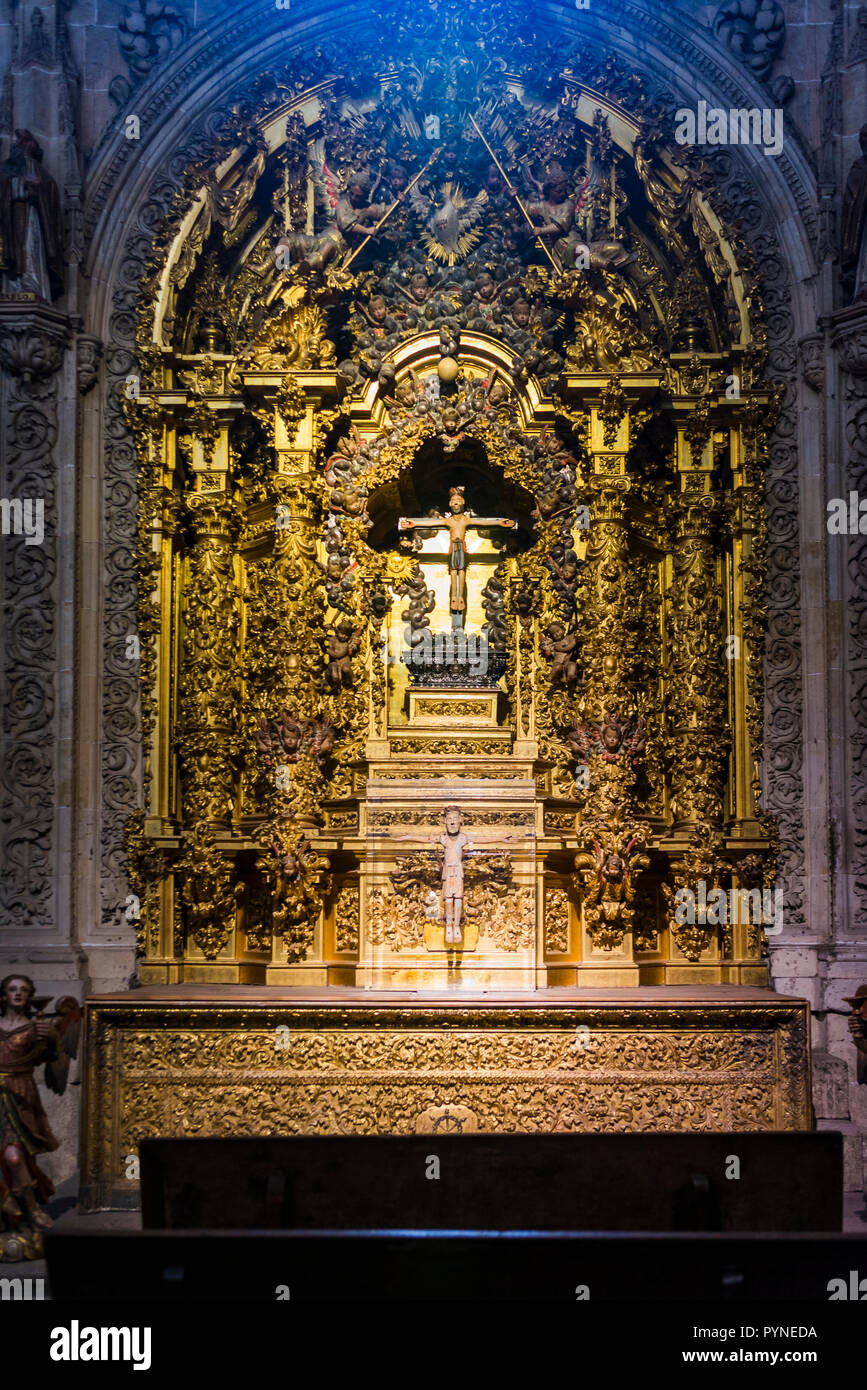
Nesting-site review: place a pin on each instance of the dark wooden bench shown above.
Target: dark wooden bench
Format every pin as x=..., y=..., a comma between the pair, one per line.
x=578, y=1182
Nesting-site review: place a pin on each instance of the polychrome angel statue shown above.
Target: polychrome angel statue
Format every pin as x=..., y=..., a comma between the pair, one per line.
x=616, y=738
x=607, y=870
x=27, y=1041
x=352, y=216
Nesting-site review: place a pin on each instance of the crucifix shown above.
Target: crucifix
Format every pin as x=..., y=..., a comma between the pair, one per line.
x=453, y=845
x=458, y=521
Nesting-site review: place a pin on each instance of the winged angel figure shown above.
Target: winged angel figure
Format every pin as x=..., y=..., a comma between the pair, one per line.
x=451, y=229
x=28, y=1040
x=351, y=214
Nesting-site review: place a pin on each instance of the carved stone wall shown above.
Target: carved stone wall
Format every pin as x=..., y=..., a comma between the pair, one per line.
x=851, y=342
x=37, y=408
x=841, y=963
x=32, y=344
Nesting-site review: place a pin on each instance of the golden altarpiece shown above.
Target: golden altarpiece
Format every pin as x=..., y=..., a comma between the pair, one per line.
x=451, y=425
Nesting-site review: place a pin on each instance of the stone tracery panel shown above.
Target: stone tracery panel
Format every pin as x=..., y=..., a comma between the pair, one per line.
x=32, y=344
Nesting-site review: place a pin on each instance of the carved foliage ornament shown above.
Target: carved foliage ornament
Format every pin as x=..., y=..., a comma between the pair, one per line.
x=356, y=537
x=32, y=343
x=754, y=30
x=148, y=31
x=208, y=892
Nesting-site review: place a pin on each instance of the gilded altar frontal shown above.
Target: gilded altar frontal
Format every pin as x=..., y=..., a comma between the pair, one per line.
x=434, y=648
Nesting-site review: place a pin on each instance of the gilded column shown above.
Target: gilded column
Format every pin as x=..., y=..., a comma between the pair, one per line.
x=208, y=691
x=701, y=659
x=151, y=647
x=610, y=730
x=288, y=732
x=697, y=659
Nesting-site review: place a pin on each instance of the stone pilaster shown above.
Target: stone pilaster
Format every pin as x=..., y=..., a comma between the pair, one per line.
x=36, y=656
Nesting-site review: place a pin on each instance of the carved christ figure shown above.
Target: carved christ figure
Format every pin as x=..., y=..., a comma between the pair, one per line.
x=454, y=844
x=458, y=521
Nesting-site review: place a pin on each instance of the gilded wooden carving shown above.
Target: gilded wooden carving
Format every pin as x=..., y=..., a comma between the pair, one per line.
x=537, y=383
x=183, y=1069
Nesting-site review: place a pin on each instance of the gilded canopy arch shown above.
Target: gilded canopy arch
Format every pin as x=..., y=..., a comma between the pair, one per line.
x=247, y=413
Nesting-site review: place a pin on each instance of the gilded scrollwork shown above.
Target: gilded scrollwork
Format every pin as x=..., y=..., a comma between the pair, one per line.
x=556, y=920
x=396, y=920
x=209, y=892
x=614, y=408
x=698, y=743
x=346, y=917
x=521, y=352
x=147, y=870
x=215, y=1070
x=299, y=879
x=506, y=918
x=465, y=745
x=702, y=863
x=210, y=687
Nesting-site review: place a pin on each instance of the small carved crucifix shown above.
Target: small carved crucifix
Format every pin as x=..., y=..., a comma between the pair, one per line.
x=458, y=521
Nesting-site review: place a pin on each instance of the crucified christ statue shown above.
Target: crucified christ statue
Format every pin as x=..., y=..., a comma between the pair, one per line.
x=458, y=521
x=453, y=845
